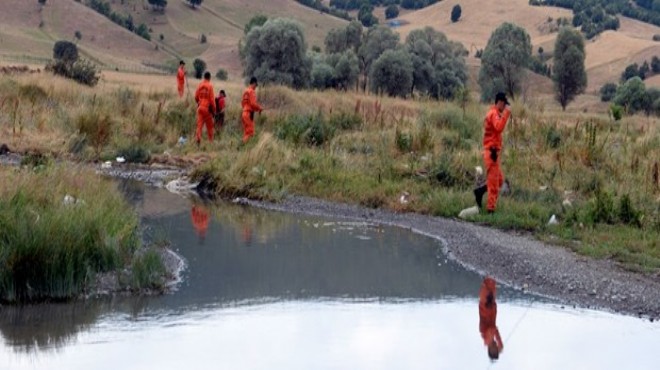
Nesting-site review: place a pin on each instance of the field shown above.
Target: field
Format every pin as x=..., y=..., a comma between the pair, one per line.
x=360, y=149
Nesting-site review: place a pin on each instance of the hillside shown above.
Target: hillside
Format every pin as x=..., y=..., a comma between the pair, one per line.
x=222, y=21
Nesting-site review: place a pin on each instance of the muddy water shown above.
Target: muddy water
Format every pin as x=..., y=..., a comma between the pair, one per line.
x=265, y=290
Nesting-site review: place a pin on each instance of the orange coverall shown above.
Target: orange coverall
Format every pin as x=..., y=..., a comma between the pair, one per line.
x=250, y=105
x=488, y=314
x=200, y=219
x=205, y=99
x=494, y=125
x=180, y=80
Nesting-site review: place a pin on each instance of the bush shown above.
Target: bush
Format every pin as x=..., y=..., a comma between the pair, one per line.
x=345, y=121
x=656, y=37
x=148, y=271
x=82, y=71
x=311, y=129
x=96, y=127
x=616, y=111
x=456, y=13
x=627, y=212
x=392, y=11
x=77, y=35
x=222, y=74
x=607, y=92
x=203, y=39
x=200, y=66
x=602, y=209
x=135, y=153
x=65, y=51
x=404, y=141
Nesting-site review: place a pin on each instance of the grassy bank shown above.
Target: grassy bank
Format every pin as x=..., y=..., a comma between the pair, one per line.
x=61, y=227
x=599, y=177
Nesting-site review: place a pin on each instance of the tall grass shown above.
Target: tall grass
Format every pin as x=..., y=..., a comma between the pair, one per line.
x=52, y=247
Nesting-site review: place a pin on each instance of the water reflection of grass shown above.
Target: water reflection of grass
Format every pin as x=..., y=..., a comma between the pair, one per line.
x=59, y=228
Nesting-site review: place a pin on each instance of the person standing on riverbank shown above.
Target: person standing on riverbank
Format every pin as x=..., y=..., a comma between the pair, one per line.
x=205, y=98
x=494, y=125
x=250, y=105
x=181, y=78
x=488, y=318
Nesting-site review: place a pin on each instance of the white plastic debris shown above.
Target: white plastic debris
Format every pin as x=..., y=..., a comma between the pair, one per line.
x=567, y=203
x=180, y=185
x=553, y=221
x=68, y=200
x=404, y=198
x=469, y=212
x=106, y=165
x=182, y=140
x=121, y=159
x=543, y=188
x=479, y=170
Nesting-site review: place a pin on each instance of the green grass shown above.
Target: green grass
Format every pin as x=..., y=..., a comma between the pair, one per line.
x=51, y=249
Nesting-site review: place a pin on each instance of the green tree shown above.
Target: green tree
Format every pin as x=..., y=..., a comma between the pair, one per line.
x=632, y=95
x=377, y=40
x=504, y=61
x=194, y=3
x=456, y=13
x=392, y=73
x=158, y=4
x=439, y=64
x=366, y=16
x=256, y=21
x=65, y=51
x=277, y=52
x=655, y=64
x=200, y=66
x=322, y=76
x=607, y=92
x=392, y=11
x=347, y=70
x=632, y=70
x=569, y=75
x=341, y=39
x=222, y=74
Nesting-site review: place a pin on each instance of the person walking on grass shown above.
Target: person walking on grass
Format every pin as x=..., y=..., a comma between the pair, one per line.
x=250, y=105
x=494, y=125
x=181, y=78
x=205, y=98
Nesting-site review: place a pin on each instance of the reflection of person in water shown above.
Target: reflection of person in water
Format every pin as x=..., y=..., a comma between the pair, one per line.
x=487, y=319
x=200, y=219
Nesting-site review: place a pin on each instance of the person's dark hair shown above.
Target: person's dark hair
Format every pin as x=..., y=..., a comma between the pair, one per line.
x=207, y=75
x=253, y=81
x=500, y=96
x=182, y=63
x=223, y=92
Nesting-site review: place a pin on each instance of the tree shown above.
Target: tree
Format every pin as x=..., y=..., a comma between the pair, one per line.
x=77, y=35
x=347, y=70
x=438, y=63
x=200, y=66
x=655, y=64
x=631, y=95
x=65, y=51
x=158, y=4
x=392, y=73
x=377, y=40
x=42, y=2
x=504, y=61
x=391, y=11
x=322, y=76
x=569, y=75
x=607, y=92
x=222, y=74
x=341, y=39
x=632, y=70
x=277, y=52
x=256, y=21
x=366, y=16
x=456, y=13
x=194, y=3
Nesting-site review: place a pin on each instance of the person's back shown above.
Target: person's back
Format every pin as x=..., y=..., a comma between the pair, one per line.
x=205, y=98
x=204, y=94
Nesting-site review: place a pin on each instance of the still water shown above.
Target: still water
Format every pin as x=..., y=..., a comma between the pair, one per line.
x=266, y=290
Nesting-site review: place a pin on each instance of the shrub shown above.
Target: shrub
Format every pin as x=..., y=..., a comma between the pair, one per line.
x=456, y=13
x=607, y=92
x=616, y=111
x=200, y=66
x=602, y=209
x=345, y=121
x=404, y=141
x=77, y=35
x=96, y=127
x=392, y=11
x=553, y=138
x=161, y=37
x=311, y=129
x=222, y=74
x=148, y=271
x=627, y=212
x=202, y=39
x=135, y=153
x=65, y=51
x=181, y=117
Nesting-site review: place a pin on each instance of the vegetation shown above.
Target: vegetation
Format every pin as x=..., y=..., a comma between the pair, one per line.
x=61, y=227
x=222, y=74
x=200, y=67
x=67, y=64
x=194, y=3
x=456, y=12
x=320, y=6
x=104, y=8
x=504, y=61
x=569, y=75
x=392, y=11
x=158, y=4
x=607, y=92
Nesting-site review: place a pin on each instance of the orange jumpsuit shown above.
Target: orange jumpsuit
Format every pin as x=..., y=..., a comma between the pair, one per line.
x=200, y=219
x=205, y=99
x=180, y=80
x=494, y=125
x=488, y=314
x=250, y=105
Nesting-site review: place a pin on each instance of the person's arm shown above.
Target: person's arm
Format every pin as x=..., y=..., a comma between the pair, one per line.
x=253, y=102
x=500, y=345
x=500, y=123
x=197, y=95
x=212, y=95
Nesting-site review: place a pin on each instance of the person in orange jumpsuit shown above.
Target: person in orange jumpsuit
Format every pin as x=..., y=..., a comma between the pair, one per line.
x=205, y=98
x=250, y=105
x=494, y=125
x=181, y=78
x=487, y=319
x=200, y=218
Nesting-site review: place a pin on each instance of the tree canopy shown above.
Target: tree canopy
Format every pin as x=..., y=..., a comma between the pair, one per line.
x=569, y=74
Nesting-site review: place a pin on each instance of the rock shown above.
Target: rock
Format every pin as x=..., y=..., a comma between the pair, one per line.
x=404, y=198
x=106, y=165
x=543, y=188
x=469, y=212
x=182, y=141
x=567, y=203
x=121, y=159
x=553, y=221
x=180, y=185
x=68, y=200
x=4, y=149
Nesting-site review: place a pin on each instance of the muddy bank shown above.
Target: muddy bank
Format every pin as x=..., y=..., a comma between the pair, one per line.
x=519, y=261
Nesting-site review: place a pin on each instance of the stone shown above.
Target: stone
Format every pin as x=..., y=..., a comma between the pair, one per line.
x=469, y=212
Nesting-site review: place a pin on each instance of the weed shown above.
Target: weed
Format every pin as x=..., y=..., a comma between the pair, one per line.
x=404, y=141
x=148, y=271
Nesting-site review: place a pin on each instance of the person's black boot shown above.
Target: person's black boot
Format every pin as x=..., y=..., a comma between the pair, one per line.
x=479, y=195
